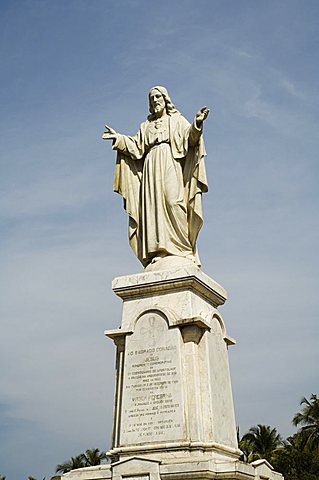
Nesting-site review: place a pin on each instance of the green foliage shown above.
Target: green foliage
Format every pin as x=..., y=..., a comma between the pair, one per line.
x=90, y=458
x=75, y=462
x=297, y=458
x=308, y=419
x=94, y=457
x=260, y=441
x=294, y=462
x=245, y=447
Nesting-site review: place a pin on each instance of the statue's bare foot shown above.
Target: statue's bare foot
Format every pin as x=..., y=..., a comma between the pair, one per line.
x=155, y=259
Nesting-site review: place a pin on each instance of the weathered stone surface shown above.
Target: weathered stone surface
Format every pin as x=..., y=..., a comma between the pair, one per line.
x=173, y=393
x=153, y=403
x=137, y=468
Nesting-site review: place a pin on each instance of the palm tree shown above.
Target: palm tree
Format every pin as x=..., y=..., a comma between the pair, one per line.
x=72, y=464
x=261, y=441
x=308, y=419
x=244, y=447
x=294, y=462
x=94, y=457
x=246, y=450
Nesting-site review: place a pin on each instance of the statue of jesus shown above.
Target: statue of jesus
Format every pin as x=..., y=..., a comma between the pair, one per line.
x=160, y=173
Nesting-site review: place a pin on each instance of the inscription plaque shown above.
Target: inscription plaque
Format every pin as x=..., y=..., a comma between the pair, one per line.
x=152, y=406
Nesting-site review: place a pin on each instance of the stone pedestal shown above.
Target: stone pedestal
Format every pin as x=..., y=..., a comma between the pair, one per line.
x=173, y=409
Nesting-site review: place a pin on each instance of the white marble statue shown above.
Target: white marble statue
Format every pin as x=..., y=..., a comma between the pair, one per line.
x=160, y=173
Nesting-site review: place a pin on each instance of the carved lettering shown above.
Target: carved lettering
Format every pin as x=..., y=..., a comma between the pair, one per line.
x=152, y=396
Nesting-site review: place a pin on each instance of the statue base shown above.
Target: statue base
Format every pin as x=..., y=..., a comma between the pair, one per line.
x=137, y=468
x=174, y=415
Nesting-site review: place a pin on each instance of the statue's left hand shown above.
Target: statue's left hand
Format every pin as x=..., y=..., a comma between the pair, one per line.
x=201, y=115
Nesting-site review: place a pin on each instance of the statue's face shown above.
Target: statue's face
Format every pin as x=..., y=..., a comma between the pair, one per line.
x=157, y=102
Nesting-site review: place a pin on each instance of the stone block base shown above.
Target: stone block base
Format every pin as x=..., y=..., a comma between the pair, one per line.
x=173, y=416
x=138, y=468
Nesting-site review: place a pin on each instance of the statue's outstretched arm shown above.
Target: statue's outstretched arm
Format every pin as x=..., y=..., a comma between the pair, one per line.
x=130, y=146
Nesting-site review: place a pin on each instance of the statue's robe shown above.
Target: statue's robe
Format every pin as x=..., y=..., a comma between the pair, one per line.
x=160, y=173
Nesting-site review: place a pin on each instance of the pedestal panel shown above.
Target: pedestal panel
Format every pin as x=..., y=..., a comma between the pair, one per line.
x=153, y=404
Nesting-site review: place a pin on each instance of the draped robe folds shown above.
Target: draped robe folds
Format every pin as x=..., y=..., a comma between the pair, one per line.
x=161, y=177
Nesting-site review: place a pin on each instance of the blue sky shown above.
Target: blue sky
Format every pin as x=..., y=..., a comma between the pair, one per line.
x=66, y=69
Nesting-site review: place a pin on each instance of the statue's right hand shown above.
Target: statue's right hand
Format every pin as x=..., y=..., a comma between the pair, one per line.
x=109, y=133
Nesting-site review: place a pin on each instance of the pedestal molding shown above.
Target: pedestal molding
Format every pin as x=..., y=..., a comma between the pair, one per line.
x=182, y=446
x=150, y=283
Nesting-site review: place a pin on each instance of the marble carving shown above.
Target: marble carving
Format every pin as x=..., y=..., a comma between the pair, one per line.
x=160, y=173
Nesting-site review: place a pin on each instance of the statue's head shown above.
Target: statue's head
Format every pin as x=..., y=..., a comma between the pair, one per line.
x=170, y=108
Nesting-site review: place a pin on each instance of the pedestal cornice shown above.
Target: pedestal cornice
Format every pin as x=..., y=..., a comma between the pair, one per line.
x=167, y=281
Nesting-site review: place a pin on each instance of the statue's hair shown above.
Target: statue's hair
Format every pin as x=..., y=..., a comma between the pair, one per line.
x=170, y=107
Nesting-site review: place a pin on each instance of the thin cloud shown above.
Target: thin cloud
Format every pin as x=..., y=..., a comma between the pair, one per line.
x=291, y=88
